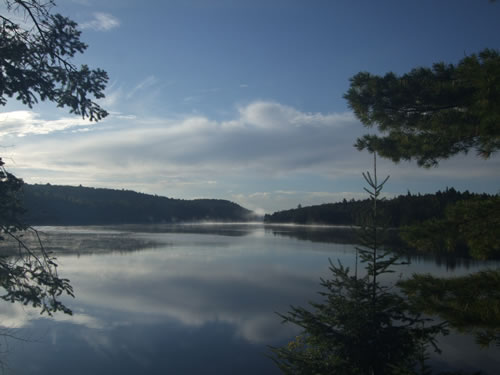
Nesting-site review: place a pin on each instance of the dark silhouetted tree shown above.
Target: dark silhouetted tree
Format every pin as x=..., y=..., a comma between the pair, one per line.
x=427, y=115
x=469, y=227
x=362, y=327
x=36, y=52
x=430, y=114
x=469, y=303
x=36, y=60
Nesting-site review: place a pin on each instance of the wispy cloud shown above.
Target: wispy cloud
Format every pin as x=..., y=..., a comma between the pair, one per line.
x=22, y=123
x=112, y=98
x=101, y=22
x=144, y=84
x=191, y=98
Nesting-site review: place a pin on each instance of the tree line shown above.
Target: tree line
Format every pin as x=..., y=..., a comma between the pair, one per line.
x=450, y=221
x=427, y=115
x=78, y=205
x=399, y=211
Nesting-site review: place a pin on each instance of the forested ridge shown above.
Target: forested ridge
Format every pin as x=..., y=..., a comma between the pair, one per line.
x=71, y=205
x=399, y=211
x=463, y=223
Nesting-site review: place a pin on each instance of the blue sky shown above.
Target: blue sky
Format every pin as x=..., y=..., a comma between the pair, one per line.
x=242, y=100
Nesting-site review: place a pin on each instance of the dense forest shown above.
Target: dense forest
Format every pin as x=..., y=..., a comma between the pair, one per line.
x=462, y=223
x=69, y=205
x=399, y=211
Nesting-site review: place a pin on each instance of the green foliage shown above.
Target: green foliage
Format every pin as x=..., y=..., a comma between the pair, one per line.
x=431, y=114
x=36, y=64
x=478, y=223
x=470, y=227
x=398, y=211
x=31, y=276
x=469, y=303
x=460, y=223
x=354, y=333
x=362, y=326
x=35, y=61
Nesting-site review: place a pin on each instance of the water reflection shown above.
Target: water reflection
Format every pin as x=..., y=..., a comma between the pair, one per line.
x=192, y=301
x=193, y=285
x=329, y=234
x=220, y=229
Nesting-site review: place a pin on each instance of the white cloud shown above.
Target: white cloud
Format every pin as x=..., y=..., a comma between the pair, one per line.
x=274, y=115
x=265, y=144
x=265, y=136
x=22, y=123
x=101, y=22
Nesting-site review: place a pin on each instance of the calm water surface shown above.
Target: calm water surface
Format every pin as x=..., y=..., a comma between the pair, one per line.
x=196, y=299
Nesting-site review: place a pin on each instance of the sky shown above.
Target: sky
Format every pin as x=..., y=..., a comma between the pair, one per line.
x=243, y=100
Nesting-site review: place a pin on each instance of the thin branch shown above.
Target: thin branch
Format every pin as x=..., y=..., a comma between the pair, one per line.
x=23, y=245
x=41, y=32
x=33, y=18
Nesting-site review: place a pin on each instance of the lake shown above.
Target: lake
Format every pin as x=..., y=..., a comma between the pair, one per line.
x=191, y=299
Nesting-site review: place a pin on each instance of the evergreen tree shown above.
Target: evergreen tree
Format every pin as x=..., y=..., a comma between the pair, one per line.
x=362, y=326
x=431, y=114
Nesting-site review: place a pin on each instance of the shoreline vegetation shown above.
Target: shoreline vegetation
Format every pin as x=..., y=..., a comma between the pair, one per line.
x=450, y=222
x=398, y=211
x=453, y=221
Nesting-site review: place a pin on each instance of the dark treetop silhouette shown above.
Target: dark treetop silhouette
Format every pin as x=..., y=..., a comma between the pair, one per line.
x=431, y=114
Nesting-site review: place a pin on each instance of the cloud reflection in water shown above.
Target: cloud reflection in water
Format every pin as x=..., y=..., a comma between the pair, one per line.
x=188, y=303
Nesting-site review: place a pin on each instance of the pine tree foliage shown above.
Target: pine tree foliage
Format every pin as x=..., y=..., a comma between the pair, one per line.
x=468, y=303
x=430, y=114
x=362, y=326
x=36, y=51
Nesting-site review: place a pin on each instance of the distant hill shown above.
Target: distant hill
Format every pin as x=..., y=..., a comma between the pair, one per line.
x=70, y=205
x=403, y=210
